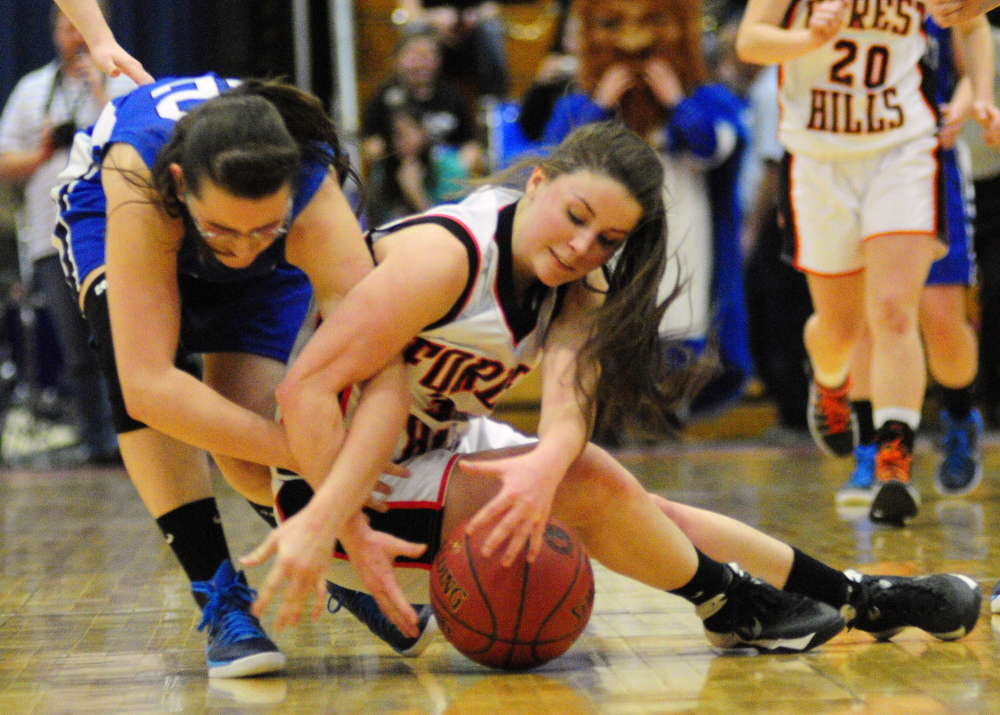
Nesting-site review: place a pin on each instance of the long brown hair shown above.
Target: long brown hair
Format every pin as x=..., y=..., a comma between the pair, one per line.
x=638, y=373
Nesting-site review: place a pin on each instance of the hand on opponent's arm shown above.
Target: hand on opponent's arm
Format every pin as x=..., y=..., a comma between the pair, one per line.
x=362, y=332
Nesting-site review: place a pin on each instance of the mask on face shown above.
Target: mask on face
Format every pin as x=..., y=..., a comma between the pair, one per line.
x=632, y=32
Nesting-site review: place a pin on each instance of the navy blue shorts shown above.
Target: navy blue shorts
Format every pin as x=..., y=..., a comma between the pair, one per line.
x=260, y=316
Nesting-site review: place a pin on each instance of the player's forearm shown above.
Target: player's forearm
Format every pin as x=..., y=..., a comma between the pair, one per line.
x=763, y=44
x=86, y=16
x=974, y=50
x=188, y=410
x=367, y=447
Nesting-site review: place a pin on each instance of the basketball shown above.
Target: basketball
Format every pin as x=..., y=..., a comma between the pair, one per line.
x=517, y=617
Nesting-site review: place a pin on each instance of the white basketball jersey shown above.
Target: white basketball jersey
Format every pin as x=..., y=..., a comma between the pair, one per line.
x=861, y=92
x=459, y=366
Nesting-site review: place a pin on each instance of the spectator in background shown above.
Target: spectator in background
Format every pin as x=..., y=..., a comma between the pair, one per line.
x=556, y=76
x=415, y=175
x=417, y=82
x=778, y=302
x=36, y=130
x=472, y=39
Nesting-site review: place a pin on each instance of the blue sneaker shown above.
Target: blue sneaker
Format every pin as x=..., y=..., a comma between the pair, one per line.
x=237, y=645
x=366, y=609
x=961, y=468
x=995, y=601
x=860, y=488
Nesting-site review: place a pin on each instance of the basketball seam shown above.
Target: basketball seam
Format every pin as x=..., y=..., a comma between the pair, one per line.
x=576, y=577
x=520, y=610
x=486, y=600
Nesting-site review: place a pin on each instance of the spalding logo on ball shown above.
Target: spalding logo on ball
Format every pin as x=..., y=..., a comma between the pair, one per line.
x=516, y=617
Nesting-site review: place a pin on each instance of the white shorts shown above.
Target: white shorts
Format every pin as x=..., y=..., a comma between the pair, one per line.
x=416, y=505
x=837, y=205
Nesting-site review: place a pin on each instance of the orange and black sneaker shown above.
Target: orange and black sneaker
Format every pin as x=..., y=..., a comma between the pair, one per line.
x=831, y=422
x=895, y=498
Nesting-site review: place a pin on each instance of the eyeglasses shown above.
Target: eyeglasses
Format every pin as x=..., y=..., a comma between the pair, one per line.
x=262, y=235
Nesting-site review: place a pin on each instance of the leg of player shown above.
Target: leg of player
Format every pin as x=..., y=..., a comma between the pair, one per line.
x=896, y=269
x=249, y=381
x=944, y=605
x=953, y=361
x=860, y=487
x=830, y=335
x=624, y=530
x=173, y=481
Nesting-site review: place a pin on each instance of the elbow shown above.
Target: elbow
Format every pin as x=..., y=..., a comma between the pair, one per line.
x=744, y=49
x=140, y=400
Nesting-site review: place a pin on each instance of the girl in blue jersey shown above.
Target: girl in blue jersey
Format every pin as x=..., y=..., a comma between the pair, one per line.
x=561, y=274
x=200, y=216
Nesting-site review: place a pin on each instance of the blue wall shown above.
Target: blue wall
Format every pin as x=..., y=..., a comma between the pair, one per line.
x=163, y=34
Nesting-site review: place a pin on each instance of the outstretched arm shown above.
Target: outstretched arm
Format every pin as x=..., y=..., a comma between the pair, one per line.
x=421, y=273
x=521, y=509
x=107, y=53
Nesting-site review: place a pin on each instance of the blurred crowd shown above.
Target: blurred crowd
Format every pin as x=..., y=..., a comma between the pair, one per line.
x=446, y=116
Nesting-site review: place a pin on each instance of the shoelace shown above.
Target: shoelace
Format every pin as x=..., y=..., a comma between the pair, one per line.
x=893, y=461
x=365, y=610
x=835, y=410
x=225, y=613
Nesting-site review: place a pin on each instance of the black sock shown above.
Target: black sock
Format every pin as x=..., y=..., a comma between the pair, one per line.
x=893, y=430
x=194, y=532
x=264, y=512
x=816, y=580
x=957, y=401
x=708, y=581
x=866, y=420
x=292, y=496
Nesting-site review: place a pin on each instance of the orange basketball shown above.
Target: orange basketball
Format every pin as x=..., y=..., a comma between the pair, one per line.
x=516, y=617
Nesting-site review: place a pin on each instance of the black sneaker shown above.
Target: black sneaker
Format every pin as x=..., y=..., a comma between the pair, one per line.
x=364, y=607
x=753, y=614
x=945, y=605
x=832, y=423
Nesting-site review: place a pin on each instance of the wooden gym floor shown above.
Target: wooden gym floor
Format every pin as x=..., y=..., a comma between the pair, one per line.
x=95, y=616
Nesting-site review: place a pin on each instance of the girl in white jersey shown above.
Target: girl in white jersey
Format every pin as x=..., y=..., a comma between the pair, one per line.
x=863, y=192
x=563, y=274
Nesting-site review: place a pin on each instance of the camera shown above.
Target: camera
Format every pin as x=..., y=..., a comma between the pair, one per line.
x=62, y=135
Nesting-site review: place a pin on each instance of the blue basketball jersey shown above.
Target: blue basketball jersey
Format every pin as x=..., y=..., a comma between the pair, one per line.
x=145, y=119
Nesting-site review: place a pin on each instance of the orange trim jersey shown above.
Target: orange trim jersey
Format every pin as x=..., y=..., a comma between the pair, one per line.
x=459, y=366
x=863, y=91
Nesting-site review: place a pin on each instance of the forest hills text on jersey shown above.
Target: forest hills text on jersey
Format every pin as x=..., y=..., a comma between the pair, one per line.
x=864, y=105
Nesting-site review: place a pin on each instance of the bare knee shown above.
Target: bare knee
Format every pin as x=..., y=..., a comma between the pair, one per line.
x=892, y=315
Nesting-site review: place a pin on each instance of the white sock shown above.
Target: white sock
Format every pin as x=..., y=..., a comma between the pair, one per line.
x=899, y=414
x=832, y=380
